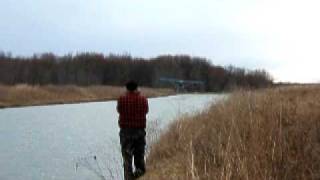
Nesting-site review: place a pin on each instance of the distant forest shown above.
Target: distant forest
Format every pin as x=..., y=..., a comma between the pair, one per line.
x=86, y=69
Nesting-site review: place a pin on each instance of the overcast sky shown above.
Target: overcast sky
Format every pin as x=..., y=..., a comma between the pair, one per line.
x=281, y=36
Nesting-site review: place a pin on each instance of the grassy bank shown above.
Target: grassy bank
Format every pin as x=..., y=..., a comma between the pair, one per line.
x=268, y=134
x=26, y=95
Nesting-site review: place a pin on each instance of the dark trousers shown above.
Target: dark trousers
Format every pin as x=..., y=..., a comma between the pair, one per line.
x=133, y=142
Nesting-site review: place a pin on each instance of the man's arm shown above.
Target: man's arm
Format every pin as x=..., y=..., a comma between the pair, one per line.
x=118, y=105
x=119, y=110
x=146, y=105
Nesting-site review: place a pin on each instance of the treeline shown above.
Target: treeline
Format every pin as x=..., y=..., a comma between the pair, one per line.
x=97, y=69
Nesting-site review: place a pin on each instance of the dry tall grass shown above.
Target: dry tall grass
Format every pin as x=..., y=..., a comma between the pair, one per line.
x=269, y=134
x=25, y=95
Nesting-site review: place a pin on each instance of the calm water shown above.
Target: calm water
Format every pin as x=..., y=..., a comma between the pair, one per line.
x=78, y=141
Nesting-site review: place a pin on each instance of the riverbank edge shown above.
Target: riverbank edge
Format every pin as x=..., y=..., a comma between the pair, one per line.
x=27, y=96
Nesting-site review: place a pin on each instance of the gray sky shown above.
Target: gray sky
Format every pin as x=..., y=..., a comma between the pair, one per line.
x=281, y=36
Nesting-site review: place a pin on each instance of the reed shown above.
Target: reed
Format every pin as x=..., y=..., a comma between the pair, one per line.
x=265, y=134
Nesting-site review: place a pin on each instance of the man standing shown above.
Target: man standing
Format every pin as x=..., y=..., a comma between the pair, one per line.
x=132, y=108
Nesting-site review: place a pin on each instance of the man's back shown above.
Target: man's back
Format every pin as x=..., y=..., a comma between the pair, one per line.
x=132, y=108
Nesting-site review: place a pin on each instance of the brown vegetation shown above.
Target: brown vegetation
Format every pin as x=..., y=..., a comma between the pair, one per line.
x=267, y=134
x=26, y=95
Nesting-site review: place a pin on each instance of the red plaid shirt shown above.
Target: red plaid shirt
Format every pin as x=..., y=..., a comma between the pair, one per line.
x=132, y=108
